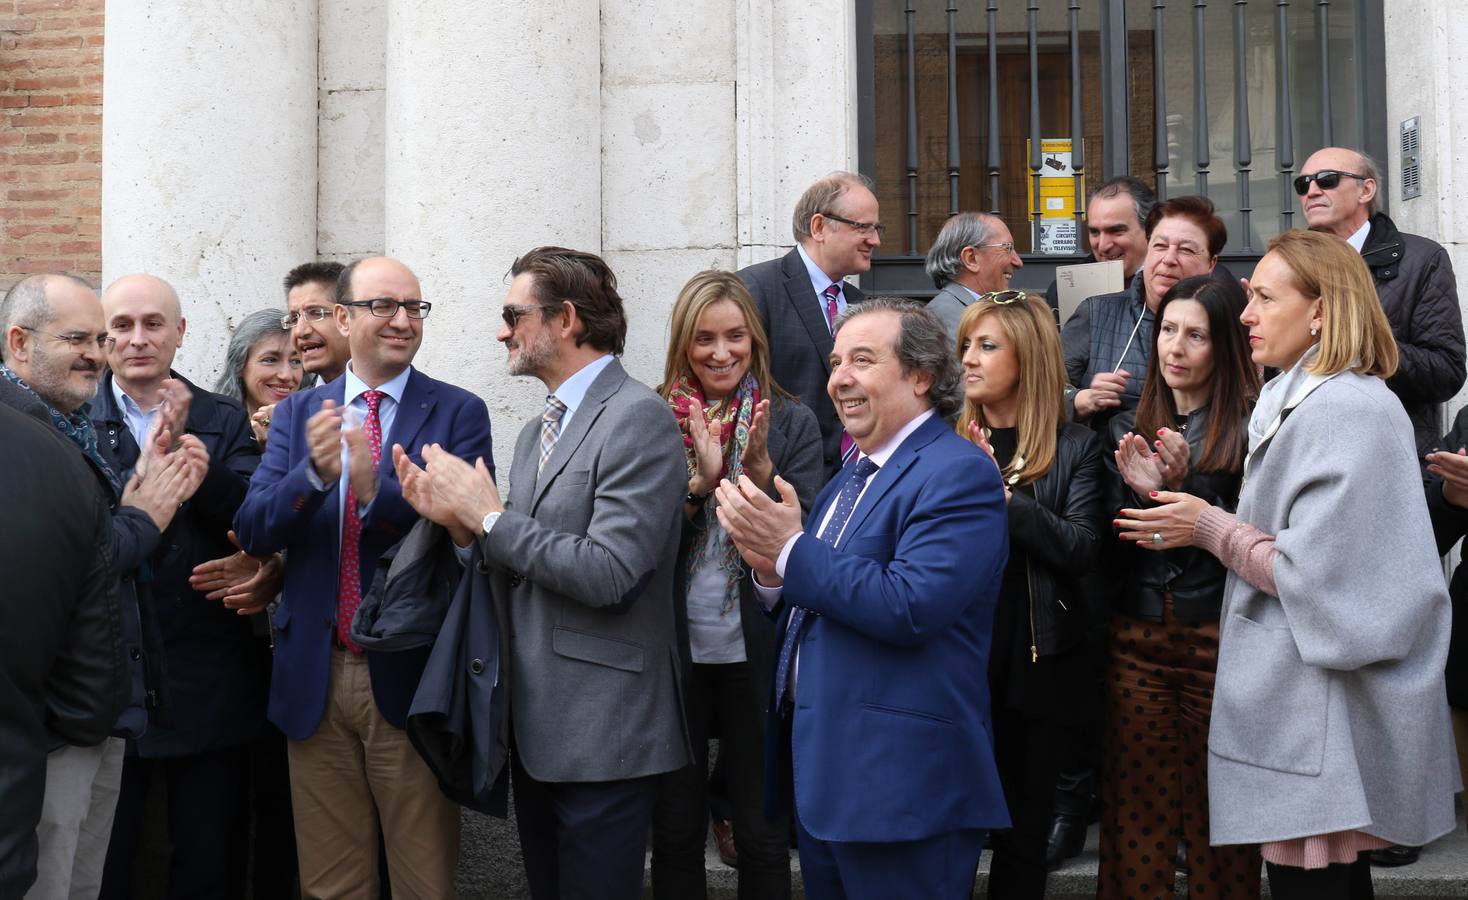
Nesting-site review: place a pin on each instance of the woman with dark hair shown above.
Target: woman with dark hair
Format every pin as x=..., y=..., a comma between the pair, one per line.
x=1055, y=482
x=261, y=367
x=736, y=421
x=1330, y=733
x=1188, y=433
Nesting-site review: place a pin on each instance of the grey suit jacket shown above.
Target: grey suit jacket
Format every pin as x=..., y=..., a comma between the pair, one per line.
x=582, y=562
x=800, y=340
x=948, y=305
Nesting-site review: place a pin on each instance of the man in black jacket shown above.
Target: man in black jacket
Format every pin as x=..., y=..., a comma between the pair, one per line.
x=51, y=328
x=1339, y=190
x=61, y=661
x=215, y=670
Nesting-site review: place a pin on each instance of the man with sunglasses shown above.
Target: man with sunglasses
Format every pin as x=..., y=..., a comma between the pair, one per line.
x=1340, y=193
x=837, y=226
x=972, y=255
x=326, y=493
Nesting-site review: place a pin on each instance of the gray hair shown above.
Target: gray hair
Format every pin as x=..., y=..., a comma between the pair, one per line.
x=260, y=324
x=923, y=345
x=1143, y=197
x=945, y=257
x=822, y=196
x=26, y=304
x=1372, y=170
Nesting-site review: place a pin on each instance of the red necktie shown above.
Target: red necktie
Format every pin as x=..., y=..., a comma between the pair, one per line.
x=349, y=584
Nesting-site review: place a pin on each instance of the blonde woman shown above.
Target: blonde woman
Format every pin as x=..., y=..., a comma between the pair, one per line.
x=736, y=420
x=1330, y=733
x=1054, y=483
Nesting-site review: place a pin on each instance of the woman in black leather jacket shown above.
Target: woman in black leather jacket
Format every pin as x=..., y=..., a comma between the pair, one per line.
x=1188, y=434
x=1014, y=375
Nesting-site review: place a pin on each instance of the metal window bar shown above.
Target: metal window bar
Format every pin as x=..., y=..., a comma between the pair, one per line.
x=953, y=143
x=1285, y=150
x=1243, y=159
x=912, y=132
x=1159, y=101
x=1077, y=122
x=1032, y=14
x=992, y=14
x=1322, y=30
x=1200, y=96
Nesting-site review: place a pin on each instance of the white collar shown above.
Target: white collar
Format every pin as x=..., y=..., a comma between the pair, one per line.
x=1358, y=240
x=573, y=390
x=354, y=387
x=818, y=277
x=884, y=452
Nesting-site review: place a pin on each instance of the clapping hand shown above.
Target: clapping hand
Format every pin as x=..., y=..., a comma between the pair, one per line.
x=708, y=455
x=756, y=458
x=1146, y=471
x=448, y=490
x=759, y=526
x=243, y=582
x=1165, y=526
x=1452, y=468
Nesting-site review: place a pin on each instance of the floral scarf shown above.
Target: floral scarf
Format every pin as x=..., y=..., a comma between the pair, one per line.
x=731, y=417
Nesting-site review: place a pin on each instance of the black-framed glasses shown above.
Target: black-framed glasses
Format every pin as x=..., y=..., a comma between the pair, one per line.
x=1004, y=298
x=876, y=228
x=1326, y=178
x=77, y=340
x=1006, y=246
x=310, y=314
x=512, y=312
x=387, y=307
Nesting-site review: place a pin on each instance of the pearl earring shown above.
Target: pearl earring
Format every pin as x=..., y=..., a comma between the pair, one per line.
x=1314, y=332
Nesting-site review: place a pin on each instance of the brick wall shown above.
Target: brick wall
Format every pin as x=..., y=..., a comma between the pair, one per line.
x=51, y=137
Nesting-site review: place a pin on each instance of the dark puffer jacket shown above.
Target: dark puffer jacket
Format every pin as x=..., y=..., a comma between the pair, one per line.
x=1414, y=279
x=1449, y=525
x=1058, y=522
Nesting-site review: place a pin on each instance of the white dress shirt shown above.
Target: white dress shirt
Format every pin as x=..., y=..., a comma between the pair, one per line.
x=1358, y=240
x=820, y=281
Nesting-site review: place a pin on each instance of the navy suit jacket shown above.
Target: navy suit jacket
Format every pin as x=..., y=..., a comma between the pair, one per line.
x=284, y=512
x=891, y=739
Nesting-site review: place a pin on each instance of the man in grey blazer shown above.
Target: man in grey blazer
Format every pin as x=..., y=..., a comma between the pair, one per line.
x=581, y=561
x=837, y=226
x=973, y=254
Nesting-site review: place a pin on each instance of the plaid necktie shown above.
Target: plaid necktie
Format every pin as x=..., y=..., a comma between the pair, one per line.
x=349, y=585
x=831, y=533
x=550, y=428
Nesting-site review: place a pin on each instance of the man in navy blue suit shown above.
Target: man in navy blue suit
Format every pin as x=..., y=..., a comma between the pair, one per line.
x=327, y=494
x=879, y=722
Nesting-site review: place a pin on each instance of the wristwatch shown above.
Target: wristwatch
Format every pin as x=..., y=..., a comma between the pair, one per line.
x=696, y=499
x=489, y=520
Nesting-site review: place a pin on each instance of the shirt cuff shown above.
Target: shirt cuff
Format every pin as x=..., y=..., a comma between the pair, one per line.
x=768, y=596
x=784, y=556
x=313, y=477
x=463, y=553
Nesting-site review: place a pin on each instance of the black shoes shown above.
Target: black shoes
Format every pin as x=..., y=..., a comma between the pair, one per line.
x=1067, y=840
x=1395, y=855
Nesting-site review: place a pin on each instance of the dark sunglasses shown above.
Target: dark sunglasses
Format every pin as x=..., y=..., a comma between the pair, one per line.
x=512, y=313
x=1004, y=298
x=1326, y=178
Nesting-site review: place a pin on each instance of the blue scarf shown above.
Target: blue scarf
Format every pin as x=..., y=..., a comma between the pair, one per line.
x=77, y=428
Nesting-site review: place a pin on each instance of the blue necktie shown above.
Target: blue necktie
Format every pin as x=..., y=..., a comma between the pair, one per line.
x=840, y=515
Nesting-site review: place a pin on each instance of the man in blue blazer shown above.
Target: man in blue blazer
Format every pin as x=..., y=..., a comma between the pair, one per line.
x=337, y=513
x=885, y=602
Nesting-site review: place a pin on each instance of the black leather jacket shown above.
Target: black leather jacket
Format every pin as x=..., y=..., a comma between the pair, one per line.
x=1193, y=576
x=1058, y=522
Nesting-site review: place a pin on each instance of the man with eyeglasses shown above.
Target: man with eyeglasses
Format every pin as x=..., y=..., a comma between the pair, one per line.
x=327, y=494
x=213, y=668
x=309, y=289
x=54, y=344
x=837, y=226
x=1339, y=192
x=973, y=254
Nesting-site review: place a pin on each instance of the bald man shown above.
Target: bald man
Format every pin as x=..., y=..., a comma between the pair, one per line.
x=339, y=516
x=214, y=671
x=1340, y=192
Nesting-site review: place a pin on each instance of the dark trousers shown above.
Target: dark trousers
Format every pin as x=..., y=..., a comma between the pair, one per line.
x=1160, y=695
x=1342, y=881
x=724, y=694
x=941, y=867
x=583, y=840
x=205, y=795
x=265, y=852
x=1028, y=751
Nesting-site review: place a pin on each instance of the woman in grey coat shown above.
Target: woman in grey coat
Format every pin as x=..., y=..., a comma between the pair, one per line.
x=1330, y=733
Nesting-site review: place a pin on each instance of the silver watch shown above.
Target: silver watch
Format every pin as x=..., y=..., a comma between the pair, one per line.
x=489, y=520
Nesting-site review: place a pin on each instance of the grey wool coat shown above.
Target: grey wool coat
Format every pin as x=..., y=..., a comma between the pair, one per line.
x=1329, y=711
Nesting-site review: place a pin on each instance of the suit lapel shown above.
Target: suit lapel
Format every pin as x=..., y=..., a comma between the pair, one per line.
x=334, y=391
x=522, y=479
x=803, y=300
x=591, y=408
x=413, y=411
x=889, y=474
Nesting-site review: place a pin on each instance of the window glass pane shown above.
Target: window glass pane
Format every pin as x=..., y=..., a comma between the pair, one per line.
x=926, y=176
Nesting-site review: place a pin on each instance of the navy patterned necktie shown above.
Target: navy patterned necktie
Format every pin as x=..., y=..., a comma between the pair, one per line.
x=831, y=533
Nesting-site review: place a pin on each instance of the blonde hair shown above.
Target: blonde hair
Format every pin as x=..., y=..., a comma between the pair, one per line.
x=1354, y=332
x=702, y=291
x=1030, y=327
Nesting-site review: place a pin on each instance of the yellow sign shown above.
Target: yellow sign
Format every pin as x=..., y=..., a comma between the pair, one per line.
x=1058, y=191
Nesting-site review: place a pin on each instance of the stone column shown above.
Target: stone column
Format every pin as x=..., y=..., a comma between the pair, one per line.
x=353, y=96
x=493, y=142
x=209, y=155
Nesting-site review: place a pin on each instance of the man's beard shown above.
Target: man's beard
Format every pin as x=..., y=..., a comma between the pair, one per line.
x=49, y=379
x=535, y=357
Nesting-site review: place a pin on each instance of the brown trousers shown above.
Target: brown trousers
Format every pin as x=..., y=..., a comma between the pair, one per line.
x=1159, y=693
x=358, y=770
